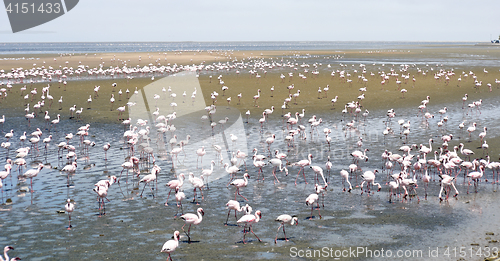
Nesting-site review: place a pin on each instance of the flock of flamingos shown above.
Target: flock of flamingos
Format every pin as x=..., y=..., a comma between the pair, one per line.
x=413, y=167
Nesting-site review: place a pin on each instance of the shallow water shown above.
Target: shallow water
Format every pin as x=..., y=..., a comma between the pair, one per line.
x=136, y=227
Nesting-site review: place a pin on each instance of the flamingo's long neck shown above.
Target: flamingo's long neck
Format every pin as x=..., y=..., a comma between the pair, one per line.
x=200, y=217
x=181, y=180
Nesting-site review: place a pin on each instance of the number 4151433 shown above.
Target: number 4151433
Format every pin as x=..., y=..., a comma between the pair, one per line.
x=25, y=8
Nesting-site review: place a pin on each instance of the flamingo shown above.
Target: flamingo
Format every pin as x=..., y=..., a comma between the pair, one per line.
x=310, y=200
x=231, y=171
x=249, y=220
x=240, y=155
x=5, y=250
x=256, y=97
x=197, y=184
x=179, y=197
x=192, y=219
x=277, y=163
x=4, y=175
x=112, y=100
x=302, y=164
x=369, y=178
x=345, y=178
x=270, y=141
x=475, y=176
x=33, y=173
x=174, y=184
x=131, y=164
x=465, y=152
x=69, y=207
x=56, y=121
x=150, y=177
x=9, y=135
x=358, y=155
x=102, y=193
x=259, y=164
x=233, y=205
x=106, y=147
x=171, y=245
x=208, y=172
x=200, y=152
x=482, y=134
x=285, y=219
x=240, y=183
x=448, y=182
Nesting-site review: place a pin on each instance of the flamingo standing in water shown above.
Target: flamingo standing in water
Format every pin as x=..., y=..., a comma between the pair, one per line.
x=256, y=97
x=174, y=184
x=345, y=178
x=302, y=164
x=200, y=152
x=285, y=219
x=197, y=184
x=69, y=207
x=249, y=220
x=475, y=176
x=208, y=172
x=369, y=178
x=150, y=178
x=106, y=147
x=310, y=200
x=112, y=100
x=171, y=245
x=447, y=182
x=233, y=205
x=192, y=219
x=33, y=173
x=240, y=183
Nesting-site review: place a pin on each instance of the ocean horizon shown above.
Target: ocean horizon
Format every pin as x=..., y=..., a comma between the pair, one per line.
x=109, y=47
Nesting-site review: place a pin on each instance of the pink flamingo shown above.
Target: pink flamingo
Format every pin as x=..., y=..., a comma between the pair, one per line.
x=233, y=205
x=240, y=183
x=174, y=184
x=256, y=97
x=192, y=219
x=310, y=200
x=345, y=178
x=369, y=178
x=150, y=178
x=106, y=147
x=249, y=220
x=475, y=176
x=171, y=245
x=302, y=164
x=285, y=219
x=197, y=184
x=102, y=193
x=69, y=207
x=33, y=173
x=200, y=152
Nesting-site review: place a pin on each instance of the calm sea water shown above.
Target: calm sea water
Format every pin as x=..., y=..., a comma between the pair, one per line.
x=22, y=48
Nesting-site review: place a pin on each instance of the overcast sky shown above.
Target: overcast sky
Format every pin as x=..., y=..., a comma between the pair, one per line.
x=267, y=20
